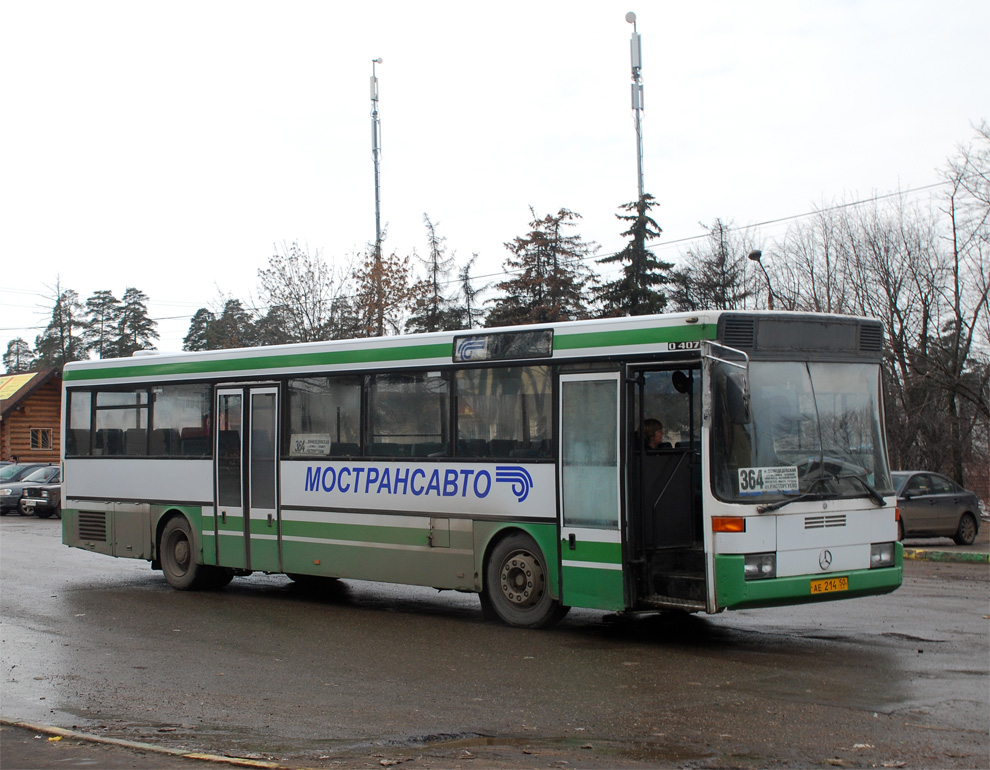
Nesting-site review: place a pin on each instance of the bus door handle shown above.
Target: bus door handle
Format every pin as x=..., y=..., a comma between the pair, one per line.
x=572, y=541
x=271, y=519
x=223, y=517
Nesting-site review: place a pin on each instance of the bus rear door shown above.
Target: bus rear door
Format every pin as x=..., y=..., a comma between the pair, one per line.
x=247, y=521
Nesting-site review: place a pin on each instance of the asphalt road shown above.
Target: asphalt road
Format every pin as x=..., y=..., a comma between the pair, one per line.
x=371, y=675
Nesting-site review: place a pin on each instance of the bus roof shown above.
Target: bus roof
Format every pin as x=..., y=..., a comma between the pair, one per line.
x=671, y=332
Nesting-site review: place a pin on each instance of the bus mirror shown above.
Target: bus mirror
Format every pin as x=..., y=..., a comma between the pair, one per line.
x=737, y=397
x=682, y=382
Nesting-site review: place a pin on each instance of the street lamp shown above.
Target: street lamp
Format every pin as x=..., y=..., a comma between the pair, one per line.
x=756, y=255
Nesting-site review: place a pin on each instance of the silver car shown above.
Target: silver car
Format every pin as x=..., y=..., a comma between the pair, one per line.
x=932, y=505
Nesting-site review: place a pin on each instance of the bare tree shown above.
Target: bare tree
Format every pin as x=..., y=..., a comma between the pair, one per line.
x=305, y=293
x=925, y=273
x=714, y=275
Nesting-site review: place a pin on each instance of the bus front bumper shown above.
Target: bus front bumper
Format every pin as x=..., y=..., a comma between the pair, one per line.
x=734, y=592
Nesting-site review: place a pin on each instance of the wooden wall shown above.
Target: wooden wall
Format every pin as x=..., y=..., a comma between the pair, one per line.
x=41, y=409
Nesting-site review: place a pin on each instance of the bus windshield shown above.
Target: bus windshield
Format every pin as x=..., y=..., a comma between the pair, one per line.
x=810, y=429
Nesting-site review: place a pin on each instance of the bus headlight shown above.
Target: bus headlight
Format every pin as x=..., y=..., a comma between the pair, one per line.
x=760, y=566
x=881, y=555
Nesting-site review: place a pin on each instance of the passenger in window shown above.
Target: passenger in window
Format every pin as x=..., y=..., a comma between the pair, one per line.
x=653, y=434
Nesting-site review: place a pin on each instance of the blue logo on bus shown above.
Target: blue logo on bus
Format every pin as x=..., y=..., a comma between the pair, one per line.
x=467, y=347
x=419, y=481
x=518, y=476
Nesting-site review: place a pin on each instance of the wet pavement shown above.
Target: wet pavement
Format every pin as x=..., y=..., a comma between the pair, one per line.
x=382, y=676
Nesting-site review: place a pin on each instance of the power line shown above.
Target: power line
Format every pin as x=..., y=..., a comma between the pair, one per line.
x=662, y=246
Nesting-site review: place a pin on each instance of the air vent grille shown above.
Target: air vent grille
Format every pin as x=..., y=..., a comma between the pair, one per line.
x=739, y=332
x=871, y=337
x=825, y=522
x=92, y=525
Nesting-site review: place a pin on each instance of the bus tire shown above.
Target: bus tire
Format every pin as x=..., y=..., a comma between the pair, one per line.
x=966, y=533
x=177, y=555
x=516, y=590
x=216, y=577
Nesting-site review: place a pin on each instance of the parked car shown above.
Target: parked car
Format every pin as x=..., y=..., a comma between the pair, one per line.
x=11, y=489
x=42, y=500
x=17, y=471
x=935, y=506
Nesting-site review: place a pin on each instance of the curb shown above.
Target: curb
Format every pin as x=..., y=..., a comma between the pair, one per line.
x=148, y=747
x=967, y=557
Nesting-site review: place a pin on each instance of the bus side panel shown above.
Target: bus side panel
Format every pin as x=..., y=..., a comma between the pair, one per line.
x=127, y=530
x=593, y=574
x=139, y=479
x=88, y=526
x=372, y=546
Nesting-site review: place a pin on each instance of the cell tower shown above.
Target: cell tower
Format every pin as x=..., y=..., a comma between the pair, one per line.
x=376, y=135
x=635, y=51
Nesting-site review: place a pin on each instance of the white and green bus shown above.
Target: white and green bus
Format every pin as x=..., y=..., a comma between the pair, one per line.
x=524, y=463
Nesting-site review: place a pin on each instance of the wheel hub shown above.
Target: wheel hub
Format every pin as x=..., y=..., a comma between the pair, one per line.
x=181, y=553
x=522, y=579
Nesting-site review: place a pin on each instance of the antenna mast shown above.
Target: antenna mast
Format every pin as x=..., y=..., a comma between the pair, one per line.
x=635, y=51
x=376, y=134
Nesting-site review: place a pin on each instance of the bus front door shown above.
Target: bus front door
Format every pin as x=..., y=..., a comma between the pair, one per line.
x=247, y=523
x=666, y=541
x=590, y=508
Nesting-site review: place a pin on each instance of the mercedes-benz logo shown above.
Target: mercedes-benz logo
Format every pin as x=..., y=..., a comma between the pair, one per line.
x=825, y=559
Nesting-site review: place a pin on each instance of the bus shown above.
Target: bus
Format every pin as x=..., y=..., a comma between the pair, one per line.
x=524, y=463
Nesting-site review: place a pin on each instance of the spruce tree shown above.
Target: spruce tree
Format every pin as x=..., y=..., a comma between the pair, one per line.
x=636, y=291
x=549, y=276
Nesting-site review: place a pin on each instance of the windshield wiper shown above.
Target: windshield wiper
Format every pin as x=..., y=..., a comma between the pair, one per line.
x=874, y=496
x=771, y=507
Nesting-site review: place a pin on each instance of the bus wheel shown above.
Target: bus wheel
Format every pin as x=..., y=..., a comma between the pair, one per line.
x=178, y=557
x=516, y=590
x=216, y=577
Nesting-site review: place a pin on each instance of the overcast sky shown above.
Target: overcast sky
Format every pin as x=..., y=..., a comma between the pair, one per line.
x=173, y=146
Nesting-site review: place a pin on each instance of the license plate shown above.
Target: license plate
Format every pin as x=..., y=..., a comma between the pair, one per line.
x=28, y=503
x=830, y=584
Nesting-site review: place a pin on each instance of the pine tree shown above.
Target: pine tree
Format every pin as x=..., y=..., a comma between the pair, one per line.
x=233, y=328
x=19, y=357
x=635, y=292
x=550, y=278
x=100, y=332
x=199, y=335
x=135, y=329
x=62, y=341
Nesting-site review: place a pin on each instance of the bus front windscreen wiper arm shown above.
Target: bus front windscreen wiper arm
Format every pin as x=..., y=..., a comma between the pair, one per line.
x=874, y=496
x=771, y=507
